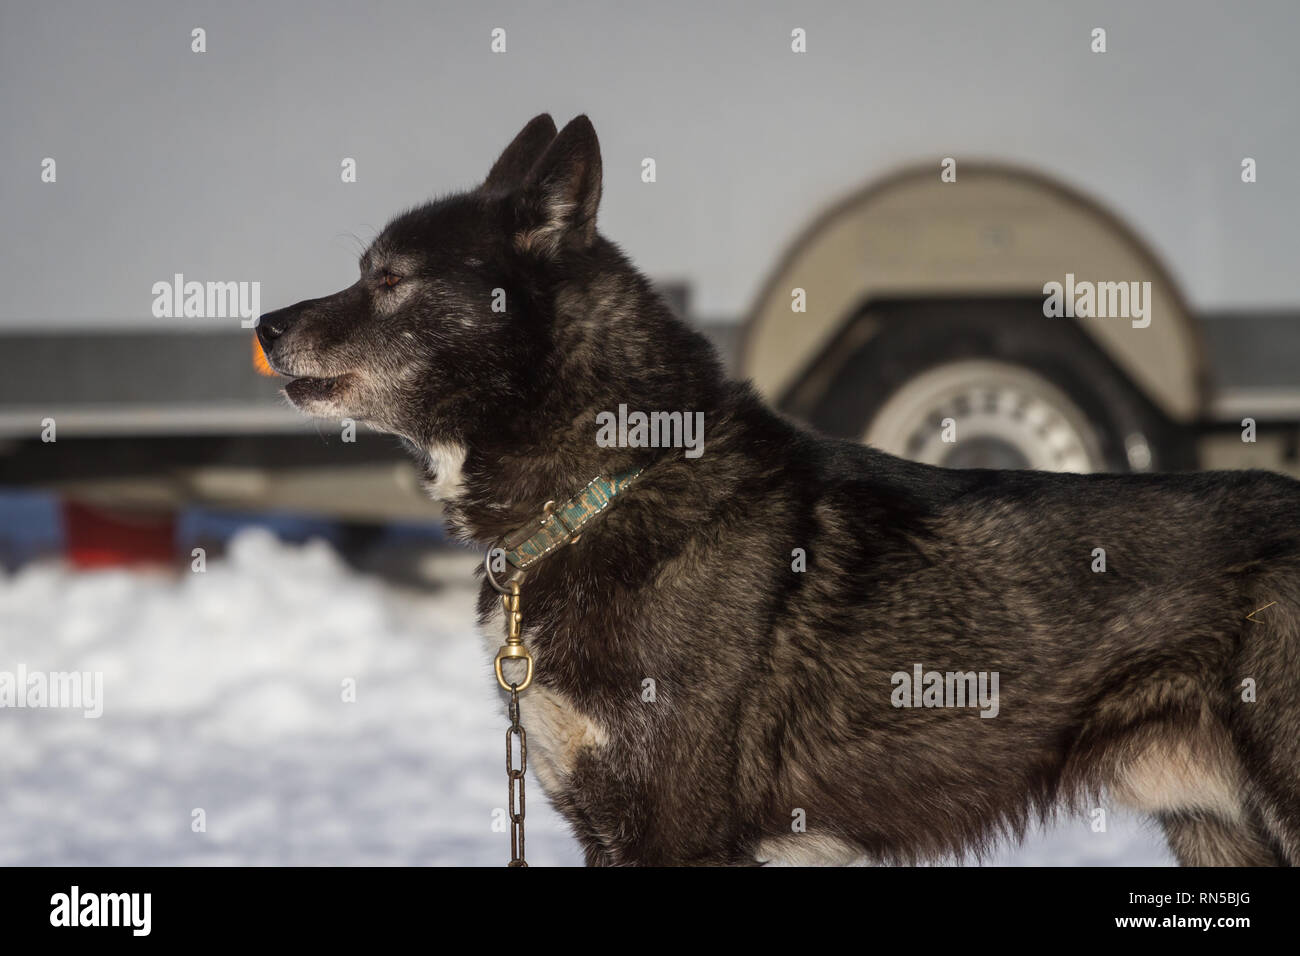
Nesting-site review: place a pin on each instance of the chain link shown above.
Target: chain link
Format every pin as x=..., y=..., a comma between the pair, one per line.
x=515, y=778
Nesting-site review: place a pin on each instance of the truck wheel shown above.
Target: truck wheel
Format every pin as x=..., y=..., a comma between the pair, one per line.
x=995, y=385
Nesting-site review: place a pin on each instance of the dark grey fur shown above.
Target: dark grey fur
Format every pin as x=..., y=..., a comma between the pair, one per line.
x=774, y=686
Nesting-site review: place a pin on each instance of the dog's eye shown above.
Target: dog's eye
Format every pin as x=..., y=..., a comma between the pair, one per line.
x=390, y=279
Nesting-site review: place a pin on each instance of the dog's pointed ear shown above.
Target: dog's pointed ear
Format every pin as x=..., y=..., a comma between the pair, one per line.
x=512, y=165
x=562, y=191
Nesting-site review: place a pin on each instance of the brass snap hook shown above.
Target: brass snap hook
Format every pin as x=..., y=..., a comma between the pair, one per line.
x=513, y=649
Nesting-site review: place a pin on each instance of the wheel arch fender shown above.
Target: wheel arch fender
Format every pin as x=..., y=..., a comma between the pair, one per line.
x=999, y=230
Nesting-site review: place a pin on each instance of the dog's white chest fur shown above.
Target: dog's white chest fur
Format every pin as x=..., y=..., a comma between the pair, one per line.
x=448, y=465
x=557, y=734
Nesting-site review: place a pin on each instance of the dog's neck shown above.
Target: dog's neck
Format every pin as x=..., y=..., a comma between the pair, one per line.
x=488, y=497
x=619, y=350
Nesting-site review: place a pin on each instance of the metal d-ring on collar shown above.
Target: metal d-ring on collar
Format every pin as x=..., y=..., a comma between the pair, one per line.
x=491, y=578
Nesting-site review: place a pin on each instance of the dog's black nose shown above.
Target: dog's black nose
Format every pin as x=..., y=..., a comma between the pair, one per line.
x=273, y=325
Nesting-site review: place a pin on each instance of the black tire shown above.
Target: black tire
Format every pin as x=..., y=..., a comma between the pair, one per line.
x=915, y=337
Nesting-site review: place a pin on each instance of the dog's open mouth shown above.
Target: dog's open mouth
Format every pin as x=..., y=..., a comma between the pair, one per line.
x=308, y=389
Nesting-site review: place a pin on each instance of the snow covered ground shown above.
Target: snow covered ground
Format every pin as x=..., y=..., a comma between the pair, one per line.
x=223, y=691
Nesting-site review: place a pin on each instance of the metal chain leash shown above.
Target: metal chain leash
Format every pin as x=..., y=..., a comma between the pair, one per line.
x=513, y=650
x=515, y=779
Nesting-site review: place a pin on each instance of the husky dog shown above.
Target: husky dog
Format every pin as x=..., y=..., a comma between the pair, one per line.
x=761, y=653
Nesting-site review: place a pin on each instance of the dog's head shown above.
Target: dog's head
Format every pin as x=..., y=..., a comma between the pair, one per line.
x=448, y=319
